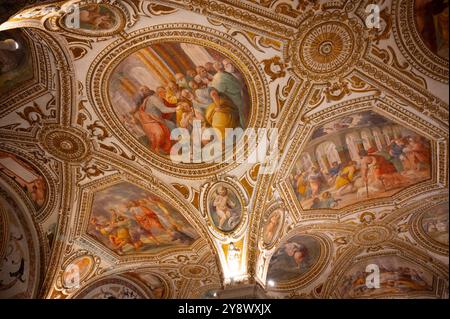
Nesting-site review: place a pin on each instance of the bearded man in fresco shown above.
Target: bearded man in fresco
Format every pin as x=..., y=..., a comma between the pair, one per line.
x=379, y=169
x=156, y=128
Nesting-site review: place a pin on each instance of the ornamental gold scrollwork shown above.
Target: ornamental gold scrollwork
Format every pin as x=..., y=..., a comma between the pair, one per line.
x=411, y=45
x=327, y=46
x=67, y=144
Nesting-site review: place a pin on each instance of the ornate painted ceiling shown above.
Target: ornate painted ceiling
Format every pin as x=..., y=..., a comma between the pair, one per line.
x=93, y=205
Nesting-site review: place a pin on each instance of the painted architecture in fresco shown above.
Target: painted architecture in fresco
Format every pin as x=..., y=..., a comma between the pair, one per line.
x=225, y=208
x=27, y=177
x=294, y=258
x=16, y=66
x=432, y=24
x=356, y=158
x=397, y=277
x=170, y=85
x=128, y=219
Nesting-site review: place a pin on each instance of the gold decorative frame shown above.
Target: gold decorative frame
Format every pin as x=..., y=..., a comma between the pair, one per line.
x=87, y=193
x=411, y=45
x=58, y=22
x=68, y=144
x=326, y=250
x=257, y=23
x=419, y=233
x=242, y=196
x=318, y=27
x=78, y=254
x=104, y=65
x=389, y=110
x=279, y=231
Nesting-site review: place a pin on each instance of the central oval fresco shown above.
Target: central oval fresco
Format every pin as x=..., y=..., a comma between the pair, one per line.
x=169, y=85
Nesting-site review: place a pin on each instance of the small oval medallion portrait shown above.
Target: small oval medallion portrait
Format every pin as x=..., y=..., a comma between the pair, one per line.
x=272, y=226
x=224, y=207
x=76, y=271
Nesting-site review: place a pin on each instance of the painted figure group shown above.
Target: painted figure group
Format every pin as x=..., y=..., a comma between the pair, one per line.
x=212, y=94
x=376, y=172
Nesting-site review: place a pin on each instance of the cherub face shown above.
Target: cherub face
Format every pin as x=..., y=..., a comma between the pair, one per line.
x=222, y=191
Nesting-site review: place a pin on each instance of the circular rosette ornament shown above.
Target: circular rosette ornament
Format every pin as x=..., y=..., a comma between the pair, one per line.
x=66, y=144
x=372, y=236
x=327, y=46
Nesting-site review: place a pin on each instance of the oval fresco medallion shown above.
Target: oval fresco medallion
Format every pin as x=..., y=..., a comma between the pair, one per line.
x=434, y=223
x=294, y=258
x=174, y=85
x=225, y=207
x=94, y=20
x=77, y=270
x=272, y=226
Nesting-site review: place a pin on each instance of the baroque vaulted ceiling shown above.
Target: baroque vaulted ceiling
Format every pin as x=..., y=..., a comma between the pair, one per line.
x=93, y=205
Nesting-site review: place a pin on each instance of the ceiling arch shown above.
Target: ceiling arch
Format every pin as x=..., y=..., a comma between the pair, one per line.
x=23, y=251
